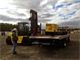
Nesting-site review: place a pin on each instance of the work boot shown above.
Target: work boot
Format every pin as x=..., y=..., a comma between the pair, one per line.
x=15, y=52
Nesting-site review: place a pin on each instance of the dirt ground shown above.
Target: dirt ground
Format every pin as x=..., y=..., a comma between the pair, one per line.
x=71, y=51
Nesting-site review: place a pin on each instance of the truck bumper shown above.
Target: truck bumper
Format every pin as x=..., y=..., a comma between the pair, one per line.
x=46, y=41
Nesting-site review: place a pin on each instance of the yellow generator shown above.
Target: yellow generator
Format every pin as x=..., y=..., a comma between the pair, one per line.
x=51, y=29
x=23, y=34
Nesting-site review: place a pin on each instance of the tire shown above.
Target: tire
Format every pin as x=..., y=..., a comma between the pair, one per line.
x=30, y=42
x=64, y=44
x=68, y=39
x=8, y=41
x=26, y=42
x=40, y=43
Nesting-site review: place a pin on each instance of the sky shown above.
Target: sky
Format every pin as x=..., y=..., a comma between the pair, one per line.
x=61, y=12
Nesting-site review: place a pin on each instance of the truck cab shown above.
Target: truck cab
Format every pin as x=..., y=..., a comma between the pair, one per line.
x=62, y=32
x=23, y=34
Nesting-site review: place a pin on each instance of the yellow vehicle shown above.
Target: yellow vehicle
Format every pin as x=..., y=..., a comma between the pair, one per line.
x=51, y=29
x=23, y=34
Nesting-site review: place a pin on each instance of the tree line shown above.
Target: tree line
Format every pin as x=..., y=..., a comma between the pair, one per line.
x=9, y=27
x=72, y=29
x=6, y=27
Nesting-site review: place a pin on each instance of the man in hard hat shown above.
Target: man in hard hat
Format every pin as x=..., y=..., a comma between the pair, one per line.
x=14, y=39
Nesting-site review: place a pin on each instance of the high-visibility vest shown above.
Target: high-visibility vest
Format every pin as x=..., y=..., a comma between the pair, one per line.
x=12, y=36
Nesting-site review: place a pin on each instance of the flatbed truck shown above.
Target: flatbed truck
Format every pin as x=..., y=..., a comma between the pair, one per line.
x=60, y=39
x=53, y=35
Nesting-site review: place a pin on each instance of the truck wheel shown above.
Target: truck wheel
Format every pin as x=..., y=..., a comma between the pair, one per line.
x=26, y=42
x=8, y=41
x=64, y=44
x=68, y=39
x=29, y=42
x=40, y=43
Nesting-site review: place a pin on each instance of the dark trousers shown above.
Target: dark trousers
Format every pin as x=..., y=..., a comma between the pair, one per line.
x=14, y=46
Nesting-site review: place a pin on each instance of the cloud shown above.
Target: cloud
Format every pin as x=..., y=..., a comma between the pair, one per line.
x=15, y=13
x=73, y=21
x=62, y=12
x=72, y=13
x=69, y=4
x=43, y=2
x=6, y=18
x=69, y=9
x=61, y=15
x=65, y=2
x=4, y=8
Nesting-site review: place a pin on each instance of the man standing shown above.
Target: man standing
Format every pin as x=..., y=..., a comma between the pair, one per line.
x=14, y=39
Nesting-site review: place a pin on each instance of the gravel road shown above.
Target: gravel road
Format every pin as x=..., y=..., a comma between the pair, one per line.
x=71, y=51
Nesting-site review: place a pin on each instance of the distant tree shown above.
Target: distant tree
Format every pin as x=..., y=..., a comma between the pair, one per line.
x=6, y=27
x=72, y=29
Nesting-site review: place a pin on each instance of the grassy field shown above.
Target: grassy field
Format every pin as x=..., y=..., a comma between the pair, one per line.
x=71, y=51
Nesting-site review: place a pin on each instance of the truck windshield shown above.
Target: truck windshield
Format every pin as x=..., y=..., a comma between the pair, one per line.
x=61, y=30
x=23, y=29
x=26, y=28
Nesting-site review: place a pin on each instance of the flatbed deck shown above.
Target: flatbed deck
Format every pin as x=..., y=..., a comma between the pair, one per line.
x=49, y=37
